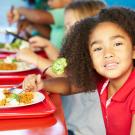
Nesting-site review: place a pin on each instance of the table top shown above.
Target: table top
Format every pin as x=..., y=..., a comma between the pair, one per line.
x=53, y=124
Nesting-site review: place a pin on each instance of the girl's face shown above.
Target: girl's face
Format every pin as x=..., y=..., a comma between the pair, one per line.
x=69, y=19
x=111, y=51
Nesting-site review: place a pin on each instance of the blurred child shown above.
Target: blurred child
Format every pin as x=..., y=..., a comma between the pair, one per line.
x=28, y=55
x=84, y=104
x=101, y=50
x=53, y=17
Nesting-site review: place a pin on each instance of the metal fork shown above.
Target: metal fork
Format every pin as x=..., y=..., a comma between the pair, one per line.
x=20, y=84
x=15, y=86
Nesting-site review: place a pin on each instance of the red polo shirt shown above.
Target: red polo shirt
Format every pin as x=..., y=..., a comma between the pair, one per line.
x=118, y=110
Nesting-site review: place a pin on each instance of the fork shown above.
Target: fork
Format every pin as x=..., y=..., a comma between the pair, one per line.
x=15, y=86
x=15, y=35
x=20, y=84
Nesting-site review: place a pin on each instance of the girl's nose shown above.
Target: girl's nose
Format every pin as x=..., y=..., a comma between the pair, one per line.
x=108, y=53
x=108, y=56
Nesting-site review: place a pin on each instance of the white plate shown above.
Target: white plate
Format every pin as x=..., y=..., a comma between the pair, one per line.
x=20, y=65
x=38, y=97
x=4, y=50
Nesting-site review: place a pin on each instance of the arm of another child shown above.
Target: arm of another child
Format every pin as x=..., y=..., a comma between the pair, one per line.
x=35, y=16
x=40, y=42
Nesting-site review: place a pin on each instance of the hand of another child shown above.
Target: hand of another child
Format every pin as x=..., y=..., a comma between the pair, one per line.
x=39, y=42
x=27, y=55
x=33, y=83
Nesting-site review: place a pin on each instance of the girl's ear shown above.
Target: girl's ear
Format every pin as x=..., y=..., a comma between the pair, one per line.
x=134, y=52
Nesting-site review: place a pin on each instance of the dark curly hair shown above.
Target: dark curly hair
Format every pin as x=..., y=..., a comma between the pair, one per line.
x=76, y=44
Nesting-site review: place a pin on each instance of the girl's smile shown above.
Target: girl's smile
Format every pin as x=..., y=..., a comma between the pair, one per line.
x=110, y=65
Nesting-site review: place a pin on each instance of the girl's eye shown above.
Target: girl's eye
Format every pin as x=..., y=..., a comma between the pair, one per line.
x=97, y=49
x=118, y=44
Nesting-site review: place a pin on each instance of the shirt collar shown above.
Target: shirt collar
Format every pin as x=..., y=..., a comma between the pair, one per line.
x=125, y=90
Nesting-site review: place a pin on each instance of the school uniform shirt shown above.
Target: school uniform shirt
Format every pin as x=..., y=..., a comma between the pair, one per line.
x=118, y=110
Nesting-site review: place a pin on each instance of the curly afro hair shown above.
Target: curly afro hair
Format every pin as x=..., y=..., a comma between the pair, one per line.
x=76, y=44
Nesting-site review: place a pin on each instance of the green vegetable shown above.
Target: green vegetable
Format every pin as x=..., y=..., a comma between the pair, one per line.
x=16, y=44
x=15, y=96
x=2, y=45
x=59, y=65
x=1, y=60
x=14, y=60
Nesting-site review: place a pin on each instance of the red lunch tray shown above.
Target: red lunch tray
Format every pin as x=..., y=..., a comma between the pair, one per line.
x=41, y=109
x=10, y=80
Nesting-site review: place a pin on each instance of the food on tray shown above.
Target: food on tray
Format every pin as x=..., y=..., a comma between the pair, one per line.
x=26, y=97
x=10, y=63
x=18, y=44
x=8, y=66
x=59, y=66
x=11, y=99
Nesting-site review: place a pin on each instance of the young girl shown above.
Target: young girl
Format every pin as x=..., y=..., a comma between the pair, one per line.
x=104, y=46
x=106, y=43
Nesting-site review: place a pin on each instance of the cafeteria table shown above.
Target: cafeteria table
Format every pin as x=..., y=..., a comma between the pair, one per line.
x=51, y=124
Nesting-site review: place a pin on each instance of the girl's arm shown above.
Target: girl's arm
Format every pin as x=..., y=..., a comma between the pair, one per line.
x=60, y=85
x=132, y=132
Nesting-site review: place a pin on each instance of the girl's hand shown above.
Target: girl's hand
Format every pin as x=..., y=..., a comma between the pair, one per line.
x=33, y=83
x=39, y=42
x=27, y=55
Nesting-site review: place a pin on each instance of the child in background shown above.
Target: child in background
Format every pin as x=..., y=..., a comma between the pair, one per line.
x=42, y=63
x=84, y=104
x=25, y=28
x=53, y=17
x=105, y=49
x=76, y=12
x=56, y=19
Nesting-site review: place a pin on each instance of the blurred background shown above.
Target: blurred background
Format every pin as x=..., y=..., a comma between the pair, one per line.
x=6, y=5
